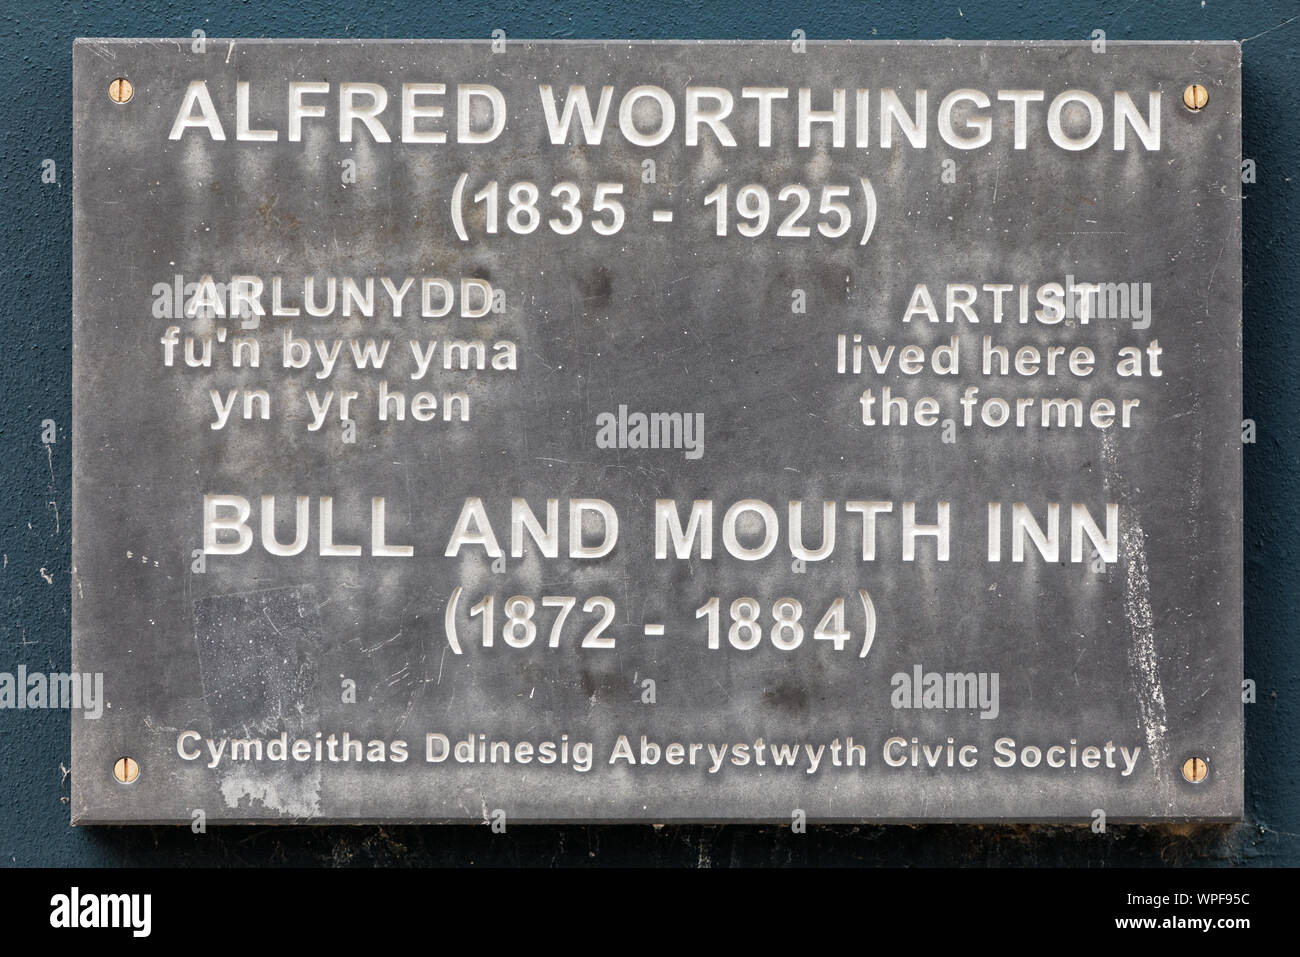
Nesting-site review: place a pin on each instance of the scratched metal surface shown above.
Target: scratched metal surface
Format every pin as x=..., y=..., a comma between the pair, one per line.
x=665, y=317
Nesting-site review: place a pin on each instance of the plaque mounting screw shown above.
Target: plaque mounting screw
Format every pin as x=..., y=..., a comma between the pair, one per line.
x=1195, y=770
x=1195, y=97
x=126, y=770
x=120, y=90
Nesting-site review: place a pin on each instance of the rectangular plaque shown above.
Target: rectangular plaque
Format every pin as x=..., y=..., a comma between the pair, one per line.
x=676, y=431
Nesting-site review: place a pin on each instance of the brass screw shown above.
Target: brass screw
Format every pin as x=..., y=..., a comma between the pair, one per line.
x=1195, y=97
x=120, y=90
x=1195, y=770
x=126, y=770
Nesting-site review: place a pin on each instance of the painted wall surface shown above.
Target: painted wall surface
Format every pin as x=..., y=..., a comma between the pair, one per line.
x=35, y=478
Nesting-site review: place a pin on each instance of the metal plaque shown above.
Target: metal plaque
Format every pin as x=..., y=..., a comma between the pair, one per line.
x=513, y=431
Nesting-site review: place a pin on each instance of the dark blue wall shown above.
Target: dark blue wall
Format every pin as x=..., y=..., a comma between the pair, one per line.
x=35, y=382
